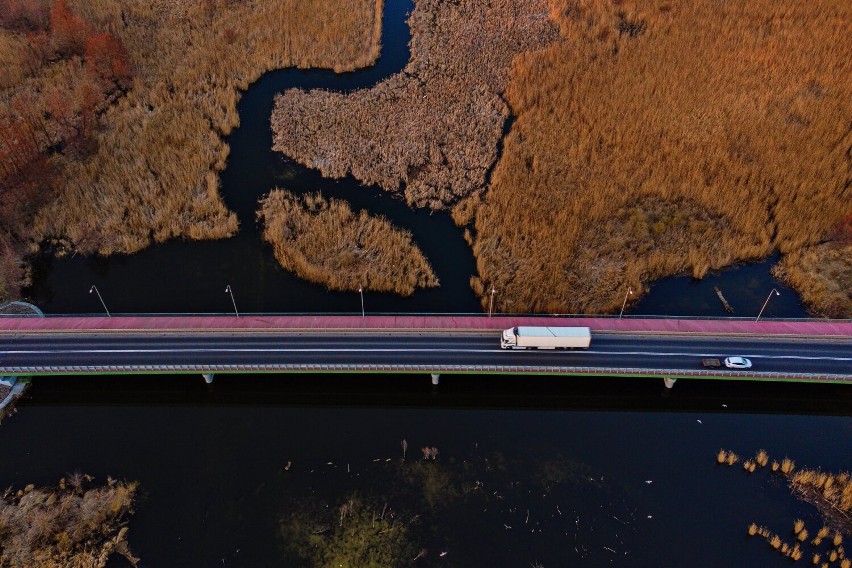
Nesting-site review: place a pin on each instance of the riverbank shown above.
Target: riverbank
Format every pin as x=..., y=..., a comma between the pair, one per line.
x=149, y=168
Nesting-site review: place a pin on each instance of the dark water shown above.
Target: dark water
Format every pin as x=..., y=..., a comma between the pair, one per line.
x=564, y=467
x=745, y=287
x=190, y=277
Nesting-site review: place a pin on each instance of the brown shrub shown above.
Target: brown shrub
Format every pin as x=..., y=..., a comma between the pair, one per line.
x=325, y=242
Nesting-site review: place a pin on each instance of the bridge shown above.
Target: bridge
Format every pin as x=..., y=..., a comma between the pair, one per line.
x=803, y=351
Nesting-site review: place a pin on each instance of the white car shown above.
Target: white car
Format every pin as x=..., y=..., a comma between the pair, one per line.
x=737, y=363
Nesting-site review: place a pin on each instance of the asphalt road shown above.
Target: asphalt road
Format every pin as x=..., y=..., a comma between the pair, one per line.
x=432, y=351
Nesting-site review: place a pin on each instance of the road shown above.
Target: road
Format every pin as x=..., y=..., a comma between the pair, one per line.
x=664, y=355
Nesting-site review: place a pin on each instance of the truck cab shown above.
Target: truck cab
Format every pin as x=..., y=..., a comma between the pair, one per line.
x=508, y=339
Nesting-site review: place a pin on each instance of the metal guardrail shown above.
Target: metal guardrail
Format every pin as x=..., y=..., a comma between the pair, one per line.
x=440, y=369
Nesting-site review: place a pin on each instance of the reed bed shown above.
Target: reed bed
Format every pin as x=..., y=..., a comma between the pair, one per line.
x=148, y=168
x=325, y=242
x=434, y=128
x=74, y=524
x=663, y=138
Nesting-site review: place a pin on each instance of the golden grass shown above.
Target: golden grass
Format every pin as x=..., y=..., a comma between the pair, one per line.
x=659, y=138
x=762, y=458
x=803, y=535
x=722, y=456
x=732, y=458
x=787, y=466
x=845, y=563
x=434, y=128
x=798, y=526
x=752, y=529
x=816, y=558
x=325, y=242
x=151, y=171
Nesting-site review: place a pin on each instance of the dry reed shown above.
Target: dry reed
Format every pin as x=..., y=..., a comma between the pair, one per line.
x=732, y=458
x=325, y=242
x=149, y=170
x=762, y=458
x=798, y=526
x=721, y=456
x=693, y=136
x=433, y=128
x=787, y=466
x=752, y=529
x=71, y=525
x=816, y=558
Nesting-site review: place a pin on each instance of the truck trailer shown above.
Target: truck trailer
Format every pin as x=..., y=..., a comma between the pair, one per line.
x=546, y=338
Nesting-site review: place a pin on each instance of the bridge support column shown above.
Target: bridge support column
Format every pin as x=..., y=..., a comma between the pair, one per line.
x=669, y=382
x=436, y=379
x=208, y=378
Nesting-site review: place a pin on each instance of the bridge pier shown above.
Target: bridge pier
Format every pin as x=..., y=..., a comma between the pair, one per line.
x=669, y=382
x=208, y=378
x=436, y=379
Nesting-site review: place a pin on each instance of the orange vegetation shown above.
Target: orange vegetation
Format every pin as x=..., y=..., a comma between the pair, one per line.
x=433, y=128
x=325, y=242
x=661, y=137
x=823, y=273
x=134, y=161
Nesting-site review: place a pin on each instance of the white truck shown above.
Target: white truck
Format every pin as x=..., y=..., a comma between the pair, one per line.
x=546, y=338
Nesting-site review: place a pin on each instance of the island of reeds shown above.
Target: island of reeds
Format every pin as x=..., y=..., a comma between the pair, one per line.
x=75, y=524
x=325, y=242
x=113, y=113
x=649, y=138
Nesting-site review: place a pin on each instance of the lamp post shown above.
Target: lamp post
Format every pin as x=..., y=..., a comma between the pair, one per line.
x=96, y=291
x=623, y=304
x=361, y=291
x=766, y=302
x=228, y=290
x=491, y=301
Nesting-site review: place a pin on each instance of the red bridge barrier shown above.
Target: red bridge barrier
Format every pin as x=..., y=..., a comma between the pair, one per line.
x=415, y=322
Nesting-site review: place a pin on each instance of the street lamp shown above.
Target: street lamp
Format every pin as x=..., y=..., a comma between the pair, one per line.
x=629, y=293
x=766, y=302
x=96, y=291
x=361, y=291
x=228, y=290
x=491, y=301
